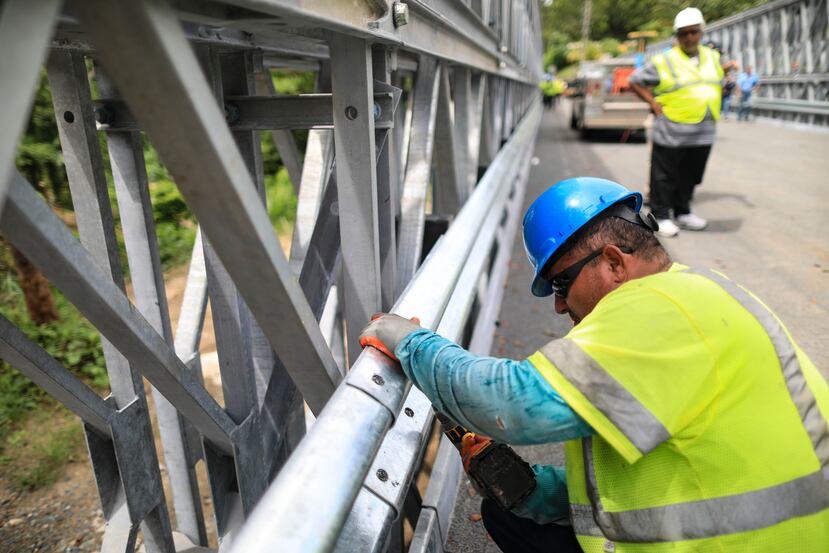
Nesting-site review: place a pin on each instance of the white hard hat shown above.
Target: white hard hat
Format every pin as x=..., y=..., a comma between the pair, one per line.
x=688, y=17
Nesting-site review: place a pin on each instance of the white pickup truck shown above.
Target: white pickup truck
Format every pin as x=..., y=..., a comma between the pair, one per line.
x=602, y=98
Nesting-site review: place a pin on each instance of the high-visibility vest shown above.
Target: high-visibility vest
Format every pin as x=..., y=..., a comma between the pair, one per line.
x=711, y=424
x=686, y=92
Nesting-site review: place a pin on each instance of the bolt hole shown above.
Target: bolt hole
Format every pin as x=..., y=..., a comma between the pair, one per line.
x=351, y=113
x=68, y=116
x=382, y=475
x=408, y=411
x=377, y=379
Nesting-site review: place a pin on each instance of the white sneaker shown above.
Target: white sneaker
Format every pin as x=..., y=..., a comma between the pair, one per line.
x=690, y=221
x=667, y=228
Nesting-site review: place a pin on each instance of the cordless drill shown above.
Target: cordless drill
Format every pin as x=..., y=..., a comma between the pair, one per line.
x=496, y=470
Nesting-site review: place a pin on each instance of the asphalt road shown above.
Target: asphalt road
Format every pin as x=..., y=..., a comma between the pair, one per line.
x=766, y=196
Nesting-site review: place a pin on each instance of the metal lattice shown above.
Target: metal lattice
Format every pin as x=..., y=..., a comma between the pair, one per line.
x=431, y=108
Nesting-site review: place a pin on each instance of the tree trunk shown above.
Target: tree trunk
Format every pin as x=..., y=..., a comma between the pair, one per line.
x=39, y=300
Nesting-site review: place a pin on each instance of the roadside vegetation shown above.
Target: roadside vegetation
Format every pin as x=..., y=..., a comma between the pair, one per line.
x=610, y=23
x=38, y=435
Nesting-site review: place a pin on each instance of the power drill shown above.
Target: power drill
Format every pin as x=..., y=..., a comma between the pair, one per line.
x=496, y=470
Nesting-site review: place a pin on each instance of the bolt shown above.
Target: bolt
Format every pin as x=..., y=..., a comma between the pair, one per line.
x=377, y=379
x=378, y=111
x=231, y=113
x=382, y=475
x=351, y=113
x=400, y=13
x=103, y=115
x=408, y=411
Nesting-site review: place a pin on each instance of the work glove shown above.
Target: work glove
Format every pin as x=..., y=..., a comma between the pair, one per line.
x=472, y=444
x=386, y=331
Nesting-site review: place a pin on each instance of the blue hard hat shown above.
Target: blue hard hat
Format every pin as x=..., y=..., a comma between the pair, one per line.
x=560, y=211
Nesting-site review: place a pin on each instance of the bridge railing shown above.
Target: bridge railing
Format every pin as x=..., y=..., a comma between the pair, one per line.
x=409, y=193
x=787, y=44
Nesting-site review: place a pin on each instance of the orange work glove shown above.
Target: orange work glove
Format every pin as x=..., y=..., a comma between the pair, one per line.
x=472, y=444
x=386, y=331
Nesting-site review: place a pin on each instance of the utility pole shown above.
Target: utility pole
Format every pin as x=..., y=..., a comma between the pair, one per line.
x=585, y=27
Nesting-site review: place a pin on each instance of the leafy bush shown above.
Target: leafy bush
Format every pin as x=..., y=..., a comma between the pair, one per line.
x=279, y=193
x=72, y=340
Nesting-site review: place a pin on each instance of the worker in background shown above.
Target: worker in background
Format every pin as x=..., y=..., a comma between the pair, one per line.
x=692, y=421
x=685, y=100
x=748, y=83
x=547, y=95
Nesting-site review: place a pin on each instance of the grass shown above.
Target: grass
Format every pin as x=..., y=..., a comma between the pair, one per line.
x=35, y=456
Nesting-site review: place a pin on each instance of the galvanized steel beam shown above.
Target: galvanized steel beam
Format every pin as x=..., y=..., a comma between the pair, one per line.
x=25, y=32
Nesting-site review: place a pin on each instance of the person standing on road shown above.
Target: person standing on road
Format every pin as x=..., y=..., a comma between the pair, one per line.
x=728, y=88
x=686, y=100
x=692, y=421
x=749, y=83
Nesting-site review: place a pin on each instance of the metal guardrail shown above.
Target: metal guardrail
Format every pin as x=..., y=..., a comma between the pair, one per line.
x=417, y=99
x=787, y=44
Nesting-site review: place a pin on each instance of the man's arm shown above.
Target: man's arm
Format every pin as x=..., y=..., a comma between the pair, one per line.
x=647, y=96
x=641, y=82
x=506, y=400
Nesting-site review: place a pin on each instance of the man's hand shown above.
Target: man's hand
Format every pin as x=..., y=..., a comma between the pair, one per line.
x=657, y=109
x=386, y=331
x=731, y=66
x=472, y=444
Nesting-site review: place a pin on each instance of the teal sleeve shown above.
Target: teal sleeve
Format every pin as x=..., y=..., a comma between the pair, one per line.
x=549, y=501
x=504, y=399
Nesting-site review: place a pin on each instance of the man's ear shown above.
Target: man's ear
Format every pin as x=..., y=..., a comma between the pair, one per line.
x=617, y=262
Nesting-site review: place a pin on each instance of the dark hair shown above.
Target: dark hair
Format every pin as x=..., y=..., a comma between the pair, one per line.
x=618, y=231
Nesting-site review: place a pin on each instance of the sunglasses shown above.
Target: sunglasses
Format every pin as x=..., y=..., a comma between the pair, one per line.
x=682, y=34
x=561, y=281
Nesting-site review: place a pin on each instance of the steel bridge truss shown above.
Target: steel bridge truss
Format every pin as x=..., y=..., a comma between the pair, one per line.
x=787, y=44
x=419, y=138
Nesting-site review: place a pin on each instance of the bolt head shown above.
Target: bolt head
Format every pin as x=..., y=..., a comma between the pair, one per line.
x=400, y=14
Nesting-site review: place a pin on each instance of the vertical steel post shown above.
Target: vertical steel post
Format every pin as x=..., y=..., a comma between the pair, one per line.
x=418, y=170
x=354, y=140
x=388, y=186
x=129, y=174
x=144, y=503
x=447, y=195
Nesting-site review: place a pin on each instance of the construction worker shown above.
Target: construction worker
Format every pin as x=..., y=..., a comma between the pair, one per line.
x=685, y=100
x=692, y=421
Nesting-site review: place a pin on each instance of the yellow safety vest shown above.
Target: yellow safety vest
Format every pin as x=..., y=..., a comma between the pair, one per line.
x=711, y=424
x=686, y=92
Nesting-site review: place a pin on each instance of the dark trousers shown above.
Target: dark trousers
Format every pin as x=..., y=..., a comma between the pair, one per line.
x=514, y=534
x=674, y=174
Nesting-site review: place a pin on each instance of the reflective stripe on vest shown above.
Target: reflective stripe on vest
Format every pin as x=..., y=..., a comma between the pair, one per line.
x=685, y=92
x=607, y=395
x=802, y=395
x=675, y=77
x=706, y=518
